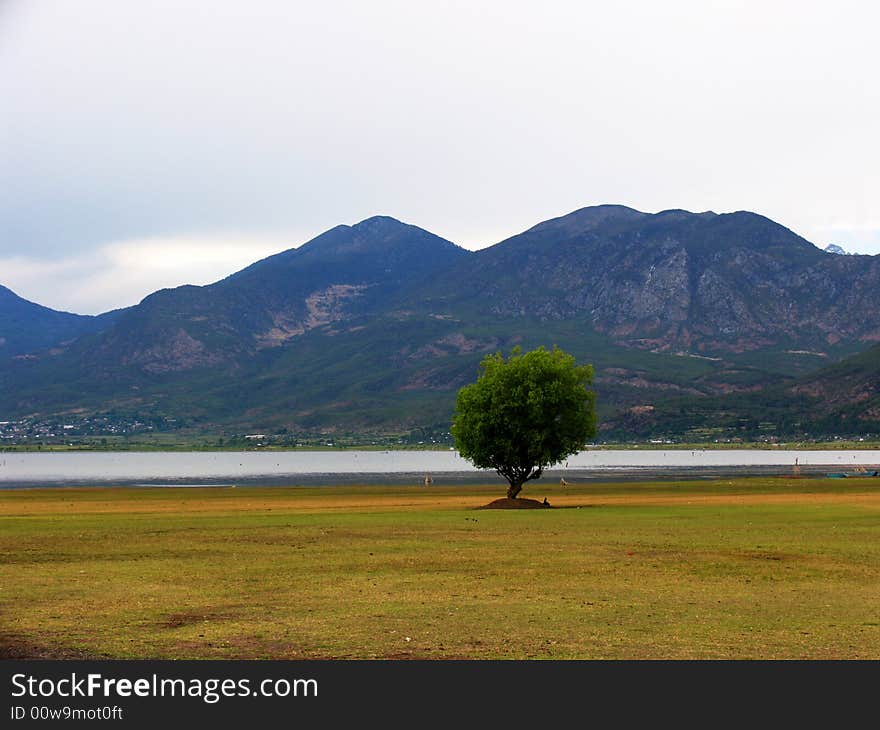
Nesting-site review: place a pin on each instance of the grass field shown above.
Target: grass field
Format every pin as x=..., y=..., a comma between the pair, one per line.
x=752, y=568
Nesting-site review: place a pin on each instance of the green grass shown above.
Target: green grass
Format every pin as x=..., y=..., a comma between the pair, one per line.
x=757, y=568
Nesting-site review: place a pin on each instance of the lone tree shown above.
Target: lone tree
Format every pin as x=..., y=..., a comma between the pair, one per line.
x=525, y=413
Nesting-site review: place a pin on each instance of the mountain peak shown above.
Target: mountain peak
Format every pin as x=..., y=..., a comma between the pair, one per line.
x=378, y=248
x=379, y=235
x=379, y=221
x=585, y=219
x=681, y=214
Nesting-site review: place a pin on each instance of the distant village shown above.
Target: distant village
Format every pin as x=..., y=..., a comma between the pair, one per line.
x=117, y=431
x=55, y=431
x=120, y=432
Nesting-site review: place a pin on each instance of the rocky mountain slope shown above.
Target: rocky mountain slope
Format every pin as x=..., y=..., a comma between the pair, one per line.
x=345, y=272
x=375, y=326
x=699, y=282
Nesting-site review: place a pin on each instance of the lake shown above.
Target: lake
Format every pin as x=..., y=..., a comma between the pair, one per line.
x=227, y=468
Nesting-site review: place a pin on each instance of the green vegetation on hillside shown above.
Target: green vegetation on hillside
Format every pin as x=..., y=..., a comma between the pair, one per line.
x=700, y=326
x=841, y=400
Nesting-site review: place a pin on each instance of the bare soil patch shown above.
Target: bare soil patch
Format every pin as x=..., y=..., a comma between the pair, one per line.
x=17, y=647
x=518, y=503
x=177, y=620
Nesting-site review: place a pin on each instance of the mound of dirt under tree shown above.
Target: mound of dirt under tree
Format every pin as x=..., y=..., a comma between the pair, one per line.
x=518, y=503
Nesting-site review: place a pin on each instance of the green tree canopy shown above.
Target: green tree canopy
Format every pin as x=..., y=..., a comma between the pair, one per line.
x=525, y=413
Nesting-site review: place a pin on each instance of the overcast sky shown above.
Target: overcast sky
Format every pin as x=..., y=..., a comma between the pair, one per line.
x=149, y=144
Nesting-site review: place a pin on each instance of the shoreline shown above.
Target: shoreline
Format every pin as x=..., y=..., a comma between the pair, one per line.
x=572, y=477
x=847, y=445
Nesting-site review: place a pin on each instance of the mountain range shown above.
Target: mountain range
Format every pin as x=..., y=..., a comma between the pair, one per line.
x=374, y=327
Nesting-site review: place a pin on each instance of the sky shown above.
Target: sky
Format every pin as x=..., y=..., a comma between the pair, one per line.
x=149, y=144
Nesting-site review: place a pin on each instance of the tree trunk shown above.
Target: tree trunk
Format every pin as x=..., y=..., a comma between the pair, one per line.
x=514, y=489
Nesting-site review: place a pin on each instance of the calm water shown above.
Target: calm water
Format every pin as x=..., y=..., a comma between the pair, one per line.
x=325, y=467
